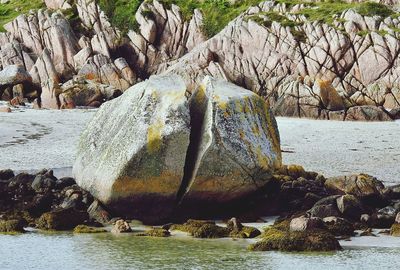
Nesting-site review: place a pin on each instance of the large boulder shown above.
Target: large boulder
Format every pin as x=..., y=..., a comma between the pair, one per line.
x=151, y=153
x=132, y=155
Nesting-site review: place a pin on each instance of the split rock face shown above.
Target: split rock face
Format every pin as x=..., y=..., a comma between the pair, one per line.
x=152, y=152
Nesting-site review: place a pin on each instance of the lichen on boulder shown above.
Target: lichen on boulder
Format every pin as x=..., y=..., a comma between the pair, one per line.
x=152, y=154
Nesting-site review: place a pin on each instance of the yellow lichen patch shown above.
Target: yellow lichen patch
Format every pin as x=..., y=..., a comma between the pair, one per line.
x=241, y=134
x=154, y=136
x=262, y=159
x=255, y=130
x=166, y=184
x=223, y=105
x=200, y=94
x=238, y=106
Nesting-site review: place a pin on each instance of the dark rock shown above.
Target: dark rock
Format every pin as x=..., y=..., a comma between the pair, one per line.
x=234, y=224
x=6, y=174
x=350, y=206
x=64, y=182
x=40, y=204
x=323, y=211
x=363, y=186
x=97, y=212
x=22, y=179
x=42, y=183
x=338, y=226
x=12, y=225
x=381, y=221
x=62, y=219
x=392, y=192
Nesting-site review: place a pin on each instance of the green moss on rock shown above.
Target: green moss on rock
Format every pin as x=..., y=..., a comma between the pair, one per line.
x=245, y=232
x=61, y=219
x=88, y=229
x=12, y=225
x=157, y=232
x=202, y=229
x=317, y=240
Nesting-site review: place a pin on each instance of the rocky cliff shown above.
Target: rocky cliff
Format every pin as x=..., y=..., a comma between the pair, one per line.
x=321, y=60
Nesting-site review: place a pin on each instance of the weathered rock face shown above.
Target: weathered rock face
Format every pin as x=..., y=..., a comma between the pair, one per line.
x=286, y=65
x=143, y=163
x=166, y=152
x=163, y=35
x=235, y=143
x=39, y=30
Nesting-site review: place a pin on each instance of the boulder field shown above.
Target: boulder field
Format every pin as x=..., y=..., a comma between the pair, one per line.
x=154, y=154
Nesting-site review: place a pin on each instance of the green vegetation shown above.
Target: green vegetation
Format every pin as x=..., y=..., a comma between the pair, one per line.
x=11, y=10
x=217, y=13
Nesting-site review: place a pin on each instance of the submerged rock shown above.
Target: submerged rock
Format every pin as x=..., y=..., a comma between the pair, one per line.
x=151, y=149
x=88, y=229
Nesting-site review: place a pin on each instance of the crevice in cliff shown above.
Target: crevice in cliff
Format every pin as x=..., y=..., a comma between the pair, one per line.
x=200, y=139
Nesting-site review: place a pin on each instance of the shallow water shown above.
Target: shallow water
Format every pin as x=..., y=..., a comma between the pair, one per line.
x=107, y=251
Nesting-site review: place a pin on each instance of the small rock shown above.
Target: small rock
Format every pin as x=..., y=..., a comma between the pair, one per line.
x=338, y=226
x=6, y=174
x=64, y=182
x=5, y=109
x=397, y=219
x=42, y=183
x=303, y=223
x=367, y=232
x=97, y=212
x=323, y=211
x=234, y=224
x=365, y=218
x=121, y=226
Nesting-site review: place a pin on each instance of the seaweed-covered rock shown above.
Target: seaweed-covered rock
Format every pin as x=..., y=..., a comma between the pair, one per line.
x=6, y=174
x=88, y=229
x=12, y=225
x=202, y=229
x=156, y=232
x=317, y=240
x=62, y=219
